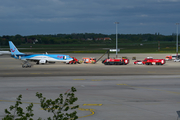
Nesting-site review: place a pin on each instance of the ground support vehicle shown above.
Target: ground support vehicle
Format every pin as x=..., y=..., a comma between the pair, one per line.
x=175, y=56
x=138, y=62
x=154, y=61
x=26, y=65
x=74, y=61
x=115, y=61
x=91, y=60
x=168, y=57
x=176, y=60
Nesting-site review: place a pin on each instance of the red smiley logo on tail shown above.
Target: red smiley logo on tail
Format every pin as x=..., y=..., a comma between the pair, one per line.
x=13, y=50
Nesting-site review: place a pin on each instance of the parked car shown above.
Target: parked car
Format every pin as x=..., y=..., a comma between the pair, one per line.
x=176, y=60
x=138, y=62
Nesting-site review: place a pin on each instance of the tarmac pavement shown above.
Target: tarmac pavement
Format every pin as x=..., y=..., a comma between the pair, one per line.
x=125, y=92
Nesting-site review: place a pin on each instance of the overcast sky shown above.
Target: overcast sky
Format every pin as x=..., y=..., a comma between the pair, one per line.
x=32, y=17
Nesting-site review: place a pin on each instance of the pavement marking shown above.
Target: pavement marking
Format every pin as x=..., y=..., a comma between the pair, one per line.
x=91, y=110
x=92, y=104
x=151, y=72
x=9, y=67
x=177, y=93
x=47, y=73
x=95, y=80
x=39, y=73
x=34, y=73
x=7, y=73
x=79, y=79
x=6, y=101
x=82, y=109
x=152, y=103
x=122, y=84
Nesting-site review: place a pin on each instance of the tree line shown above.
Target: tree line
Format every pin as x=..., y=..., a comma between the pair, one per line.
x=83, y=38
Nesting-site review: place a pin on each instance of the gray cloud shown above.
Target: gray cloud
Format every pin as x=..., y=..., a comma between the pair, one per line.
x=73, y=16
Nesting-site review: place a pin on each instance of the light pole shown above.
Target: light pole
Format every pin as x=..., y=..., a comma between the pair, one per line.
x=177, y=42
x=116, y=39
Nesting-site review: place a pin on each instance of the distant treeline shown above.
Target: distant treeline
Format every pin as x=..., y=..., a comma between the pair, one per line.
x=84, y=38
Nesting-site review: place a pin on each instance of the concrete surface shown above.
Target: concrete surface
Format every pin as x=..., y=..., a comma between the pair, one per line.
x=129, y=92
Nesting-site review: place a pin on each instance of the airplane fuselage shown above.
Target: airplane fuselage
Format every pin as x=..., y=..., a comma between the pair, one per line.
x=47, y=58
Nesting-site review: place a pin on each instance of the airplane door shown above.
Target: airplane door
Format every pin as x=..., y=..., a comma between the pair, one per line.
x=64, y=57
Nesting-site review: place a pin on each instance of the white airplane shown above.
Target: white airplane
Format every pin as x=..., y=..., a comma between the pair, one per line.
x=4, y=52
x=38, y=58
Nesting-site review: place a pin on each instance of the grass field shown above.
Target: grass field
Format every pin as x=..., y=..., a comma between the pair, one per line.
x=146, y=47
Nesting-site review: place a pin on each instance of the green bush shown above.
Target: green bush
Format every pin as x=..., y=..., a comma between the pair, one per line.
x=57, y=107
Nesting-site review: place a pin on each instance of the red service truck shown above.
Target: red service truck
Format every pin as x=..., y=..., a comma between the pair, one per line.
x=115, y=61
x=154, y=61
x=74, y=61
x=169, y=57
x=89, y=60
